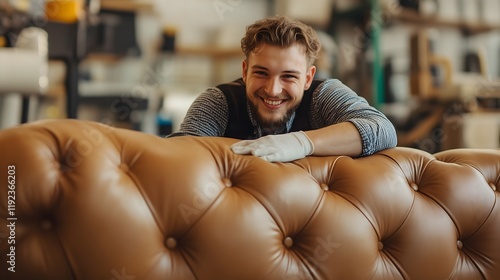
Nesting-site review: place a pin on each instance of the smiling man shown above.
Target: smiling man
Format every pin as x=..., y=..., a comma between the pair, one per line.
x=279, y=111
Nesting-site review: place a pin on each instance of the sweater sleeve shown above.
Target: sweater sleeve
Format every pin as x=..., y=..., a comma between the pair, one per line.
x=207, y=116
x=333, y=102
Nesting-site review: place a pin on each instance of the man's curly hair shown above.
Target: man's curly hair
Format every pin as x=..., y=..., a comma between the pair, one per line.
x=282, y=32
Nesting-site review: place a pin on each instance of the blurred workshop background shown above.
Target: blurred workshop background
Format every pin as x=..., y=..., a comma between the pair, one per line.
x=432, y=66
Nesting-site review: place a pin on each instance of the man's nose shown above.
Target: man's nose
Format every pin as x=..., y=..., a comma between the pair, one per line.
x=273, y=87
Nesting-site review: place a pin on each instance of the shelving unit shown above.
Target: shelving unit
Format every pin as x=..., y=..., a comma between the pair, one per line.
x=214, y=52
x=406, y=17
x=70, y=42
x=413, y=18
x=468, y=28
x=218, y=56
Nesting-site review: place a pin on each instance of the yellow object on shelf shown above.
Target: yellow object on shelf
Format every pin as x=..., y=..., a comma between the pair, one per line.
x=67, y=11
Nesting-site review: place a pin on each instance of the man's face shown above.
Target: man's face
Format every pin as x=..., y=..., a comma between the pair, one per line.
x=275, y=80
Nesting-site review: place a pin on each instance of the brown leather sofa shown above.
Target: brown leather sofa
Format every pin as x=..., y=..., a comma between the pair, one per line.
x=94, y=202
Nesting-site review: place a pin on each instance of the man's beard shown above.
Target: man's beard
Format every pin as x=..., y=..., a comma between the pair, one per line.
x=274, y=125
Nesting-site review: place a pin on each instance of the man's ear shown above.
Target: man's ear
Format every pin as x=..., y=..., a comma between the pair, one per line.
x=244, y=70
x=310, y=77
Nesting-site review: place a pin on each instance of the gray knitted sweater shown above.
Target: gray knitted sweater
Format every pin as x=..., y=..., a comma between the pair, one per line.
x=332, y=103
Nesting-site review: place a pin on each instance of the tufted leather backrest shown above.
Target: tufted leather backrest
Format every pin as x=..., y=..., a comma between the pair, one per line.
x=94, y=202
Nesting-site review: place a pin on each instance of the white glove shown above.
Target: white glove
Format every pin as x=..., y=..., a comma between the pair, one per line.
x=282, y=147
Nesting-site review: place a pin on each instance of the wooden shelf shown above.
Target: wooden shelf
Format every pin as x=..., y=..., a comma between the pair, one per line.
x=210, y=51
x=126, y=5
x=470, y=28
x=104, y=57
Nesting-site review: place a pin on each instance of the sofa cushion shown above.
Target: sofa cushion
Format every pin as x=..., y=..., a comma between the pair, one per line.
x=97, y=202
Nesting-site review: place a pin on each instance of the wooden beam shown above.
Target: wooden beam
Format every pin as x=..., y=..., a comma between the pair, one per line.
x=126, y=5
x=413, y=17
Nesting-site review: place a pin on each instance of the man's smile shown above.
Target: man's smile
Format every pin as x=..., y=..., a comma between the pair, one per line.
x=273, y=103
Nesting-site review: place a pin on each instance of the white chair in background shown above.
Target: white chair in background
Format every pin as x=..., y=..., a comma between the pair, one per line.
x=23, y=75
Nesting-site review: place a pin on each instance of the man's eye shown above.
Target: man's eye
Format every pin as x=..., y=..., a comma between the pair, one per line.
x=260, y=73
x=289, y=77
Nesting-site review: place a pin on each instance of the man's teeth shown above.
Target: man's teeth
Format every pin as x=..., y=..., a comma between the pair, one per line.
x=273, y=102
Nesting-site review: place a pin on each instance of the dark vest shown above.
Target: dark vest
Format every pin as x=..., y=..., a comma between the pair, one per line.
x=239, y=125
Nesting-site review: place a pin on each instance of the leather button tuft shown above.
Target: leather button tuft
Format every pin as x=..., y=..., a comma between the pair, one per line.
x=227, y=182
x=325, y=187
x=46, y=225
x=171, y=243
x=414, y=186
x=493, y=187
x=124, y=167
x=288, y=242
x=460, y=245
x=380, y=246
